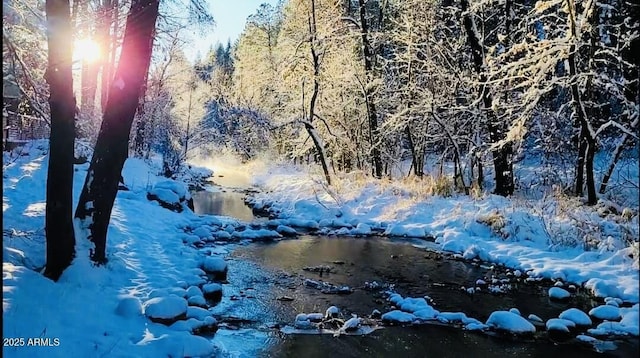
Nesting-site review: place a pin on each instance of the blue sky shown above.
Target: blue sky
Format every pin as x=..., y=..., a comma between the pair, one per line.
x=230, y=17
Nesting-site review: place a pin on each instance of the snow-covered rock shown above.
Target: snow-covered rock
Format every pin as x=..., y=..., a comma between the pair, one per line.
x=411, y=305
x=197, y=313
x=534, y=318
x=558, y=294
x=426, y=313
x=397, y=316
x=259, y=234
x=510, y=322
x=203, y=232
x=129, y=306
x=198, y=301
x=577, y=316
x=605, y=312
x=332, y=312
x=361, y=229
x=212, y=291
x=166, y=309
x=315, y=317
x=557, y=329
x=194, y=291
x=171, y=195
x=286, y=230
x=215, y=266
x=396, y=299
x=350, y=325
x=188, y=345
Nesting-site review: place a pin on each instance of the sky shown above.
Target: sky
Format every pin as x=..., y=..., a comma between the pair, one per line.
x=230, y=17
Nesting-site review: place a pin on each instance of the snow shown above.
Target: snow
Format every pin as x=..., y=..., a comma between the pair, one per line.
x=412, y=305
x=428, y=313
x=129, y=306
x=148, y=261
x=577, y=316
x=332, y=311
x=511, y=322
x=194, y=291
x=211, y=288
x=214, y=265
x=165, y=195
x=350, y=325
x=556, y=324
x=398, y=316
x=533, y=318
x=557, y=293
x=168, y=307
x=605, y=312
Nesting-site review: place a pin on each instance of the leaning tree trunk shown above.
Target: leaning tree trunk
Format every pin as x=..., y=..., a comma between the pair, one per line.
x=101, y=184
x=315, y=57
x=58, y=220
x=502, y=161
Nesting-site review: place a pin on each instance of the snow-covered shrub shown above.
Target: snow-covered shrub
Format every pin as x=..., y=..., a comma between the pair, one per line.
x=496, y=221
x=172, y=195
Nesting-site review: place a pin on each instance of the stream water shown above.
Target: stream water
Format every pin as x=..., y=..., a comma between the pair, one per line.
x=266, y=290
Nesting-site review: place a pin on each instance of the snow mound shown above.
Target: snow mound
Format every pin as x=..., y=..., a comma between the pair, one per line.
x=557, y=324
x=428, y=313
x=212, y=291
x=129, y=306
x=575, y=315
x=215, y=266
x=510, y=322
x=559, y=294
x=189, y=346
x=413, y=304
x=397, y=316
x=166, y=309
x=194, y=291
x=605, y=312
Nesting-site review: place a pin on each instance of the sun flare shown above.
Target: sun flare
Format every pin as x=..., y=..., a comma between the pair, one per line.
x=86, y=50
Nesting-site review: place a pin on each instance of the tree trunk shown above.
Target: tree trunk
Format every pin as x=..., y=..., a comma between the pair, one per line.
x=89, y=81
x=502, y=161
x=582, y=152
x=587, y=137
x=372, y=114
x=417, y=170
x=109, y=42
x=59, y=221
x=314, y=97
x=101, y=184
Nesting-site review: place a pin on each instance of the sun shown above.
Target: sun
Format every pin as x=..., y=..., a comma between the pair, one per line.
x=86, y=50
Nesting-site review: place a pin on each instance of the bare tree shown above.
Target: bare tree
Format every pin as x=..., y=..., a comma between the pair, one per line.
x=59, y=221
x=101, y=184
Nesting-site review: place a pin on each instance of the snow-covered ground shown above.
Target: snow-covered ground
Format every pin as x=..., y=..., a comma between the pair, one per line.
x=154, y=267
x=96, y=311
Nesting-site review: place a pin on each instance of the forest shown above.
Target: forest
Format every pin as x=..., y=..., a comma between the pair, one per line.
x=505, y=132
x=461, y=90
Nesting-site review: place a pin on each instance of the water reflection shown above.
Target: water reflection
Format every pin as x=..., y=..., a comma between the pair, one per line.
x=415, y=272
x=222, y=203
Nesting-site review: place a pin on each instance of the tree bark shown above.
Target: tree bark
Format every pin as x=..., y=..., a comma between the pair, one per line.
x=58, y=218
x=101, y=184
x=372, y=114
x=502, y=161
x=315, y=57
x=587, y=137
